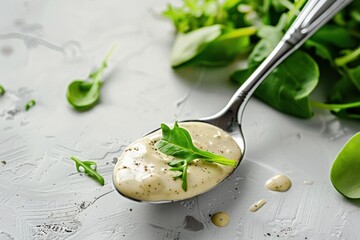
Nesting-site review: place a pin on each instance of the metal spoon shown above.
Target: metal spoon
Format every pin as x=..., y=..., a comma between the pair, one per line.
x=314, y=15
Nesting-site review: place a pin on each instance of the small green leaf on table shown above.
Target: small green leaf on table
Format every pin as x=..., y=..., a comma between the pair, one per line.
x=89, y=168
x=85, y=94
x=30, y=104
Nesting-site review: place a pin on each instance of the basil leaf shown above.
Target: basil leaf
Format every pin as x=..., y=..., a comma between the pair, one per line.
x=89, y=168
x=346, y=168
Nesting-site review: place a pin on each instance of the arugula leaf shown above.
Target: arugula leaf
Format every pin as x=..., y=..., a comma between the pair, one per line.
x=30, y=104
x=83, y=95
x=177, y=142
x=89, y=168
x=345, y=169
x=2, y=90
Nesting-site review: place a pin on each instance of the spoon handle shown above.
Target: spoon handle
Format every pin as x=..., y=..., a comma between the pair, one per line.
x=314, y=15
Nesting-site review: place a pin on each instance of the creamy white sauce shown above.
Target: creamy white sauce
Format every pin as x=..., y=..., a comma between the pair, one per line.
x=220, y=219
x=142, y=172
x=279, y=183
x=257, y=205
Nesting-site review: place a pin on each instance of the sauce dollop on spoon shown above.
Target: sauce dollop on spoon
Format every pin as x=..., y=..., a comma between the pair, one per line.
x=142, y=172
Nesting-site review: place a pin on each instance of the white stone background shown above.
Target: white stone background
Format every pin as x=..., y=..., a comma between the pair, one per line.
x=44, y=44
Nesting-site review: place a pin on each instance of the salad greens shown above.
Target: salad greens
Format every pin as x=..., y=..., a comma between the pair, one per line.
x=85, y=94
x=30, y=104
x=2, y=90
x=89, y=168
x=214, y=33
x=177, y=142
x=345, y=170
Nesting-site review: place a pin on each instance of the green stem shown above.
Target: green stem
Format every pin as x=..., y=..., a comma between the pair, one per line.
x=342, y=61
x=334, y=106
x=240, y=32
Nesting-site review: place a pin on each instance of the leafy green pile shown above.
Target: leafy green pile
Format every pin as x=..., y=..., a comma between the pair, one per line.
x=214, y=33
x=177, y=142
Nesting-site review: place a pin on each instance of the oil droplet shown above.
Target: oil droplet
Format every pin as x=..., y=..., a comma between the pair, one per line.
x=220, y=219
x=257, y=205
x=279, y=183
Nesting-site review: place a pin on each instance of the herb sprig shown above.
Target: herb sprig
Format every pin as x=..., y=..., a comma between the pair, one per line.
x=177, y=142
x=89, y=168
x=85, y=94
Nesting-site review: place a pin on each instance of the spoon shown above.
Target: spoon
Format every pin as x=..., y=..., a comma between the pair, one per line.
x=314, y=15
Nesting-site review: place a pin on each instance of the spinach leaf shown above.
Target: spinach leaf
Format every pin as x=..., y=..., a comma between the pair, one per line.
x=177, y=142
x=225, y=48
x=189, y=45
x=89, y=168
x=288, y=87
x=211, y=46
x=335, y=36
x=345, y=169
x=83, y=95
x=320, y=50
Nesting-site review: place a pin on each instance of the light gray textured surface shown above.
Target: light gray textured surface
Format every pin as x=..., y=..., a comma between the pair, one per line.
x=45, y=44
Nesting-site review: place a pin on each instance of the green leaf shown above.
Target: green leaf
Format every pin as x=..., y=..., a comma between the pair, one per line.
x=320, y=50
x=30, y=104
x=345, y=93
x=89, y=168
x=270, y=37
x=2, y=90
x=189, y=45
x=83, y=95
x=224, y=49
x=210, y=46
x=346, y=168
x=336, y=36
x=288, y=87
x=177, y=143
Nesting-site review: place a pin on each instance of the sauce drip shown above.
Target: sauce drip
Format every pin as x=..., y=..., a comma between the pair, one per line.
x=220, y=219
x=257, y=205
x=279, y=183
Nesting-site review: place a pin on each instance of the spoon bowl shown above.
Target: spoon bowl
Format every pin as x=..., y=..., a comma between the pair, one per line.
x=314, y=15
